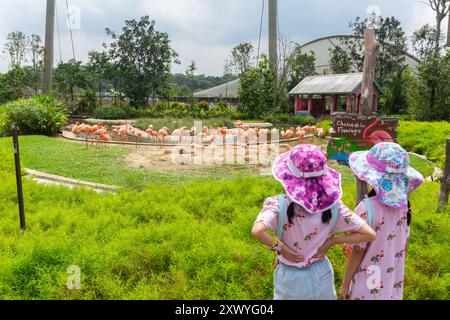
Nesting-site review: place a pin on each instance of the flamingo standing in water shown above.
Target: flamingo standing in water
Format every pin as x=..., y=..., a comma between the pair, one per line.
x=377, y=136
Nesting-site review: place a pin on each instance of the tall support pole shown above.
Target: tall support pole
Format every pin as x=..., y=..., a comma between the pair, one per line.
x=448, y=31
x=273, y=32
x=371, y=48
x=49, y=46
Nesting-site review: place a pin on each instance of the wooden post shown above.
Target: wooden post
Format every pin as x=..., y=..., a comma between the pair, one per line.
x=445, y=180
x=371, y=48
x=333, y=105
x=18, y=176
x=361, y=190
x=310, y=105
x=349, y=104
x=355, y=103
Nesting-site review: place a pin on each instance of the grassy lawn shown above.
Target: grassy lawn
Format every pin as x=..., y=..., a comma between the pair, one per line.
x=107, y=166
x=183, y=241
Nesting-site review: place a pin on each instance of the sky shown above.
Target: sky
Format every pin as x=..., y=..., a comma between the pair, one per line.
x=204, y=31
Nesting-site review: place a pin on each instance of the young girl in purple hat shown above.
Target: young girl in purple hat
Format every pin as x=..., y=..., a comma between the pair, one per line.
x=376, y=271
x=303, y=221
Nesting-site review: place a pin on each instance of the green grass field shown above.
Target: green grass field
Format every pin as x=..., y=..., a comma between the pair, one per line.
x=178, y=238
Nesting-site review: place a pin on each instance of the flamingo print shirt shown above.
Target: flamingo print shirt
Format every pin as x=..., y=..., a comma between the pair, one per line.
x=384, y=257
x=307, y=233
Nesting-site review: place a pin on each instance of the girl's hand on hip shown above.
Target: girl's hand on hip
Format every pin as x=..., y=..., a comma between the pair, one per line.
x=322, y=251
x=291, y=255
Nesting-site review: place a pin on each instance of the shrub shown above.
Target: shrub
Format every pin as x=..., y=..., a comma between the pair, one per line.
x=109, y=113
x=131, y=112
x=202, y=105
x=38, y=115
x=302, y=120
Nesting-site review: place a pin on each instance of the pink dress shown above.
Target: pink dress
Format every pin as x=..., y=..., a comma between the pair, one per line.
x=381, y=273
x=307, y=233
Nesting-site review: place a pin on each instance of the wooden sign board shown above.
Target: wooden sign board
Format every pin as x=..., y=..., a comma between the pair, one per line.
x=356, y=133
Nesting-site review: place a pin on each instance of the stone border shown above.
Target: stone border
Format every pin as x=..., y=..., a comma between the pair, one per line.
x=54, y=179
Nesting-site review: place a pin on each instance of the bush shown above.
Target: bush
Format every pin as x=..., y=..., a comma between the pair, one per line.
x=202, y=105
x=110, y=113
x=302, y=120
x=131, y=112
x=38, y=115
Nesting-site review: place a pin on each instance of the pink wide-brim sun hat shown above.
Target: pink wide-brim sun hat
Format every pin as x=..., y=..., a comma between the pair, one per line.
x=385, y=168
x=307, y=179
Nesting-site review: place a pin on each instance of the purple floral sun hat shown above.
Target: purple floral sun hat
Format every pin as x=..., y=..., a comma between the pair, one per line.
x=385, y=168
x=307, y=179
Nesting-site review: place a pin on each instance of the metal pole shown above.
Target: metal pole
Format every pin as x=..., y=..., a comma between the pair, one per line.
x=49, y=46
x=273, y=32
x=18, y=176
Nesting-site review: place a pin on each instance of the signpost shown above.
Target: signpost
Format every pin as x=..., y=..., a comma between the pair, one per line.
x=18, y=176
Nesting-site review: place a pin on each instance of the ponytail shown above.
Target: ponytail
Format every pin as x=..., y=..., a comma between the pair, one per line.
x=373, y=193
x=326, y=215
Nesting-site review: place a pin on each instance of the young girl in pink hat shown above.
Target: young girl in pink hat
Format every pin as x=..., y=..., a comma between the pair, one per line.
x=303, y=221
x=376, y=271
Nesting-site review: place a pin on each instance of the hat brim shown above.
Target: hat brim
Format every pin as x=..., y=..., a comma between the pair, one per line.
x=392, y=188
x=315, y=195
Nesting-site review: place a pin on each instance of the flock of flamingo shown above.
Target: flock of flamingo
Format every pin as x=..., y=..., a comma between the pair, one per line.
x=241, y=132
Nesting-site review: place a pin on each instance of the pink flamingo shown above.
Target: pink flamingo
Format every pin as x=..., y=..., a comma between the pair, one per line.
x=378, y=135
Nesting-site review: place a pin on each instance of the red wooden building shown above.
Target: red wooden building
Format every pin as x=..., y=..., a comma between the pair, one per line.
x=327, y=94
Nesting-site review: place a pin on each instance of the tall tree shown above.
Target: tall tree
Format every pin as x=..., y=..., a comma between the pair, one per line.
x=392, y=40
x=101, y=70
x=69, y=77
x=441, y=7
x=340, y=61
x=36, y=50
x=302, y=66
x=242, y=57
x=16, y=48
x=143, y=57
x=423, y=41
x=256, y=89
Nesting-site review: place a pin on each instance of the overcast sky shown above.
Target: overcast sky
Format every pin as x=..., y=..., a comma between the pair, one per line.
x=201, y=30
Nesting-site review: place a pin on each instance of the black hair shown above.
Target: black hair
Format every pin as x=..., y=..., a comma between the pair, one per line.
x=373, y=193
x=326, y=215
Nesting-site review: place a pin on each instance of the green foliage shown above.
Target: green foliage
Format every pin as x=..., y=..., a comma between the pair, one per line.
x=286, y=119
x=69, y=78
x=424, y=41
x=203, y=105
x=429, y=93
x=427, y=138
x=177, y=241
x=395, y=93
x=143, y=57
x=13, y=84
x=241, y=58
x=257, y=89
x=110, y=113
x=392, y=39
x=340, y=61
x=302, y=66
x=38, y=115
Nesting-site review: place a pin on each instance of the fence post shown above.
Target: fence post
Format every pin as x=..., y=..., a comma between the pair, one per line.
x=445, y=180
x=18, y=176
x=361, y=190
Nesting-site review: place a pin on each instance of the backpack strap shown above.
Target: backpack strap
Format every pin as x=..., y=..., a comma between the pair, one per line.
x=369, y=206
x=335, y=216
x=281, y=215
